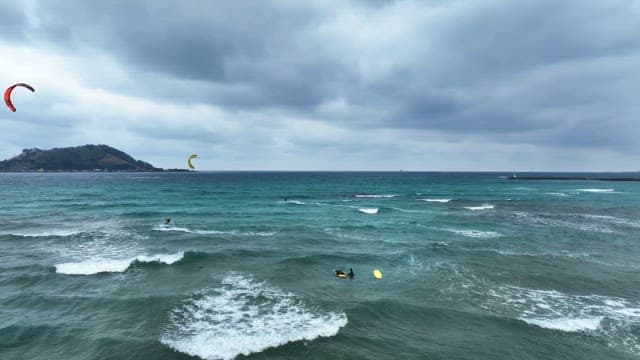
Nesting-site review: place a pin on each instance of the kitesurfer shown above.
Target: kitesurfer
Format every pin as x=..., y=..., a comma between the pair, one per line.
x=167, y=221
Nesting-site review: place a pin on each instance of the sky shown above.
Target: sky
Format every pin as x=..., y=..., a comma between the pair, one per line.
x=429, y=85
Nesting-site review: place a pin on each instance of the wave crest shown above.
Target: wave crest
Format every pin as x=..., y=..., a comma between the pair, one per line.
x=368, y=210
x=481, y=207
x=437, y=200
x=375, y=196
x=96, y=266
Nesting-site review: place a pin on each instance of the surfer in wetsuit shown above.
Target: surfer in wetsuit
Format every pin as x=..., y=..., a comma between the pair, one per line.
x=167, y=221
x=342, y=274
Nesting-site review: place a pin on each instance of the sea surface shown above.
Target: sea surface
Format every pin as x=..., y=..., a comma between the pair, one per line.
x=474, y=266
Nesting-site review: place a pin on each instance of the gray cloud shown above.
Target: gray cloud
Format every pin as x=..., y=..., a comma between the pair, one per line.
x=527, y=72
x=13, y=22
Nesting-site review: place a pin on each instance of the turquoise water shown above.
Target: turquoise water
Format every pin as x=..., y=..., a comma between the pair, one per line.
x=474, y=266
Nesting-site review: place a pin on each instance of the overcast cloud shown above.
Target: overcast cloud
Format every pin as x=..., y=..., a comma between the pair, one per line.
x=329, y=85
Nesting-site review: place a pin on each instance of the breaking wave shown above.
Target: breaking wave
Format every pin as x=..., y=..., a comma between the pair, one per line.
x=481, y=207
x=102, y=265
x=368, y=210
x=213, y=232
x=436, y=200
x=375, y=196
x=45, y=233
x=242, y=317
x=597, y=190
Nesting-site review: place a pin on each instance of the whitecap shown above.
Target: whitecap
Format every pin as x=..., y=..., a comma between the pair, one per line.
x=567, y=324
x=481, y=207
x=101, y=265
x=213, y=232
x=375, y=196
x=475, y=233
x=436, y=200
x=556, y=194
x=368, y=210
x=242, y=317
x=161, y=258
x=93, y=266
x=45, y=233
x=408, y=211
x=597, y=190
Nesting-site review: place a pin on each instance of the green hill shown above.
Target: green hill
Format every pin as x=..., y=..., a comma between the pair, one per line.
x=78, y=158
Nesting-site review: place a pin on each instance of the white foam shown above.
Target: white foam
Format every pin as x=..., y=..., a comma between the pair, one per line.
x=629, y=312
x=610, y=318
x=408, y=211
x=614, y=220
x=94, y=266
x=98, y=265
x=481, y=207
x=597, y=190
x=161, y=258
x=213, y=232
x=567, y=324
x=375, y=196
x=569, y=221
x=242, y=317
x=558, y=311
x=437, y=200
x=296, y=202
x=475, y=233
x=556, y=194
x=45, y=233
x=368, y=210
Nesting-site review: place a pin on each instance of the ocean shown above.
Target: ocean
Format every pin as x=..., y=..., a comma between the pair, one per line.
x=474, y=266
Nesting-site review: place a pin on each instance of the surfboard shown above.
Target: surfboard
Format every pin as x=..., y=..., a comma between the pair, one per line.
x=377, y=274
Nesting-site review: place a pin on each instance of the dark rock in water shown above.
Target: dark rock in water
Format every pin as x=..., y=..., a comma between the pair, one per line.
x=78, y=158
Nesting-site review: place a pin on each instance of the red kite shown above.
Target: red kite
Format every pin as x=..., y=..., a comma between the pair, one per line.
x=7, y=94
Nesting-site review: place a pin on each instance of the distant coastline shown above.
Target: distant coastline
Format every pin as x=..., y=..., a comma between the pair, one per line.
x=86, y=158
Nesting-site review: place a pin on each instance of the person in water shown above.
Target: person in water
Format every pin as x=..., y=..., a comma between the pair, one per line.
x=340, y=273
x=167, y=221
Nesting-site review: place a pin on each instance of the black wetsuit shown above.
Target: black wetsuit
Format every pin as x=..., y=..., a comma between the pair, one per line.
x=350, y=274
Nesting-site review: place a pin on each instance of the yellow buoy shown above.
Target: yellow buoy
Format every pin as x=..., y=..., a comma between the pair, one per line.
x=377, y=274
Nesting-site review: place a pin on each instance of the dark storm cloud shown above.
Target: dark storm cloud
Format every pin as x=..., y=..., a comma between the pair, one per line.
x=251, y=44
x=505, y=37
x=527, y=71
